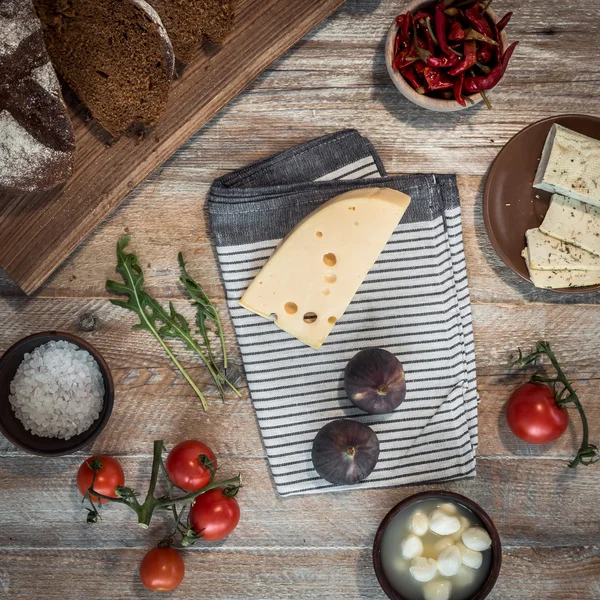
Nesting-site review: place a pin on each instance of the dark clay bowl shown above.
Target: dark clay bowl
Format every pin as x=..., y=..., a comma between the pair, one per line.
x=452, y=497
x=12, y=428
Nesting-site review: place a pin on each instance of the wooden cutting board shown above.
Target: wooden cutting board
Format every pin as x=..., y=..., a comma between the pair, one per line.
x=38, y=231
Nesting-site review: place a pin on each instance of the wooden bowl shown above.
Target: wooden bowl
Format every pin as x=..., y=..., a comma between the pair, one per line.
x=14, y=430
x=492, y=577
x=435, y=104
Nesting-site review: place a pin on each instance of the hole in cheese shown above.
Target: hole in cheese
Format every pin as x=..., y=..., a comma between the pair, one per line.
x=329, y=259
x=331, y=320
x=330, y=277
x=310, y=317
x=351, y=208
x=319, y=234
x=291, y=308
x=273, y=317
x=325, y=292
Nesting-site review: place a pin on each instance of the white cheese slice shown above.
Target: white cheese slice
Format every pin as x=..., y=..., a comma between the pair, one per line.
x=547, y=253
x=575, y=222
x=570, y=165
x=561, y=279
x=311, y=278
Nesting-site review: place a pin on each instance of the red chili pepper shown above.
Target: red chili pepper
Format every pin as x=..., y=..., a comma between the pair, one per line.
x=397, y=44
x=440, y=28
x=503, y=22
x=420, y=67
x=409, y=74
x=456, y=31
x=399, y=21
x=443, y=62
x=473, y=85
x=436, y=79
x=420, y=14
x=406, y=27
x=468, y=61
x=405, y=57
x=458, y=85
x=484, y=54
x=478, y=20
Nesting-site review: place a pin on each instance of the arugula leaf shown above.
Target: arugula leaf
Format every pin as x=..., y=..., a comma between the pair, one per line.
x=206, y=312
x=151, y=314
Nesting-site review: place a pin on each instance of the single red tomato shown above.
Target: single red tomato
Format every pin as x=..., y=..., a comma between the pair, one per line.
x=162, y=569
x=214, y=515
x=109, y=476
x=185, y=468
x=533, y=415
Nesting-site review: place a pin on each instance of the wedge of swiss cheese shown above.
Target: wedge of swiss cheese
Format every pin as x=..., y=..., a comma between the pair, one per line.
x=311, y=278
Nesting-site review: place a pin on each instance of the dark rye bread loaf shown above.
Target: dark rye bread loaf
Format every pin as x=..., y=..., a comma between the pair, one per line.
x=36, y=137
x=188, y=22
x=114, y=54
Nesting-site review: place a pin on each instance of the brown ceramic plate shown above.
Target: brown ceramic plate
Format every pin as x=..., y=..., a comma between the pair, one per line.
x=511, y=205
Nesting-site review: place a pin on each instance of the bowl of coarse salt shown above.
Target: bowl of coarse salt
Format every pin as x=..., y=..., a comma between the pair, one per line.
x=56, y=393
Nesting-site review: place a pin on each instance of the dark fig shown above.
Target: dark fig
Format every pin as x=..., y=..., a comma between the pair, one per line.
x=345, y=452
x=374, y=381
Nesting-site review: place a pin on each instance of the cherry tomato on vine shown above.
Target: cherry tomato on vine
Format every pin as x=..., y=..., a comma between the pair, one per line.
x=185, y=468
x=109, y=476
x=214, y=514
x=534, y=416
x=162, y=569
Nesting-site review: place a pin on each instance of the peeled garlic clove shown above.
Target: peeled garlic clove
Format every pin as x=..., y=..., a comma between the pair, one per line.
x=465, y=577
x=411, y=546
x=442, y=544
x=437, y=590
x=448, y=508
x=442, y=523
x=419, y=523
x=449, y=561
x=477, y=538
x=423, y=569
x=470, y=558
x=464, y=525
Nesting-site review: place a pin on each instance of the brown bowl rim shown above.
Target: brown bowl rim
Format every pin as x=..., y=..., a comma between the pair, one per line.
x=97, y=427
x=487, y=220
x=490, y=582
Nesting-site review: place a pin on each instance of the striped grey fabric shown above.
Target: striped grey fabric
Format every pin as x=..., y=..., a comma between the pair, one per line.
x=414, y=303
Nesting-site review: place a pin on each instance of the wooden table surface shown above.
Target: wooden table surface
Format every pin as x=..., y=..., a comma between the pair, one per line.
x=317, y=546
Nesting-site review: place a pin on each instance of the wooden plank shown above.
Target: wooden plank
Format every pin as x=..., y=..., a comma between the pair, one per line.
x=269, y=574
x=532, y=502
x=154, y=401
x=38, y=231
x=154, y=227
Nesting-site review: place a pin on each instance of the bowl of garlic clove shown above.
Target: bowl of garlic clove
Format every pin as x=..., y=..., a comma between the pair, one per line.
x=437, y=545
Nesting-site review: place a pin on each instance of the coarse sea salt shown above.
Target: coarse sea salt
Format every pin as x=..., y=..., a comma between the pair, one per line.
x=57, y=391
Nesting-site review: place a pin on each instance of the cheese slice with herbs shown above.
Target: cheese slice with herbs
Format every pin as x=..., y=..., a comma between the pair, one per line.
x=547, y=253
x=311, y=278
x=561, y=279
x=570, y=165
x=575, y=222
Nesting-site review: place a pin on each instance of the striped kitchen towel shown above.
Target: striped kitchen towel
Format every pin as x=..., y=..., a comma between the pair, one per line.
x=414, y=303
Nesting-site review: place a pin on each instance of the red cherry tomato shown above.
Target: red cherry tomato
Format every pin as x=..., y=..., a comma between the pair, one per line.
x=162, y=569
x=109, y=476
x=533, y=415
x=214, y=515
x=184, y=467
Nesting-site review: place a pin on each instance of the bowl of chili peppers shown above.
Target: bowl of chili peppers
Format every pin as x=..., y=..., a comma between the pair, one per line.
x=446, y=55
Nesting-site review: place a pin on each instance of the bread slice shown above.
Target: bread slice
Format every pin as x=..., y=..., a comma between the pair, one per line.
x=36, y=137
x=114, y=54
x=189, y=21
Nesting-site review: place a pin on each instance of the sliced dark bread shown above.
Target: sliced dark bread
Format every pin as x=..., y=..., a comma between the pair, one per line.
x=114, y=54
x=188, y=22
x=36, y=137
